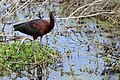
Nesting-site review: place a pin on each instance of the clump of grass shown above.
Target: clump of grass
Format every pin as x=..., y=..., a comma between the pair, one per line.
x=16, y=61
x=110, y=26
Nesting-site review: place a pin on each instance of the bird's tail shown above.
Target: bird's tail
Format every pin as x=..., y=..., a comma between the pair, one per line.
x=16, y=27
x=19, y=27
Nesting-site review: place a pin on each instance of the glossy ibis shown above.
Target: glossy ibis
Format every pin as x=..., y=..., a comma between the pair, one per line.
x=36, y=28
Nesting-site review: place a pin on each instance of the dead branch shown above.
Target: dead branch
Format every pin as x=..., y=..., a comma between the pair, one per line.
x=105, y=4
x=90, y=4
x=21, y=7
x=91, y=15
x=6, y=68
x=40, y=8
x=22, y=43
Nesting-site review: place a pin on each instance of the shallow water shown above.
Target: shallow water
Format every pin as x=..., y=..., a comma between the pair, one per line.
x=79, y=49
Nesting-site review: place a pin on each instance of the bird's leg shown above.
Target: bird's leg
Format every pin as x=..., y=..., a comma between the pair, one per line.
x=40, y=42
x=33, y=49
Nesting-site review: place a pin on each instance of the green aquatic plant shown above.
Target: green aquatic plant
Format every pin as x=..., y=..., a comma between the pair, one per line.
x=10, y=58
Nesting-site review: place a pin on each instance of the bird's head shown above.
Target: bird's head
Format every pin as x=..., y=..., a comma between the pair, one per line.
x=52, y=14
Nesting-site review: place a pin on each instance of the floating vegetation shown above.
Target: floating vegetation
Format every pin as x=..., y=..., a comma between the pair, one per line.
x=14, y=61
x=110, y=26
x=111, y=59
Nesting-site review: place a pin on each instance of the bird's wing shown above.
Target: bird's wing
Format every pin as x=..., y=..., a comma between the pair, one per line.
x=34, y=23
x=30, y=28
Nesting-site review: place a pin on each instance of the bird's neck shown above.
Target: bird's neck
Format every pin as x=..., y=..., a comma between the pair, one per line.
x=52, y=21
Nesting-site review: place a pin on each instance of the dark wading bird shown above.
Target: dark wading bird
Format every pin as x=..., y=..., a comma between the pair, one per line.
x=36, y=28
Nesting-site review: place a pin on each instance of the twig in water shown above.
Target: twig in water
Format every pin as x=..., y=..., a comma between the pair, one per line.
x=22, y=43
x=6, y=68
x=49, y=53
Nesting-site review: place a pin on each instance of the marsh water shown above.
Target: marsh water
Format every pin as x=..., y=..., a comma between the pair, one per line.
x=80, y=47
